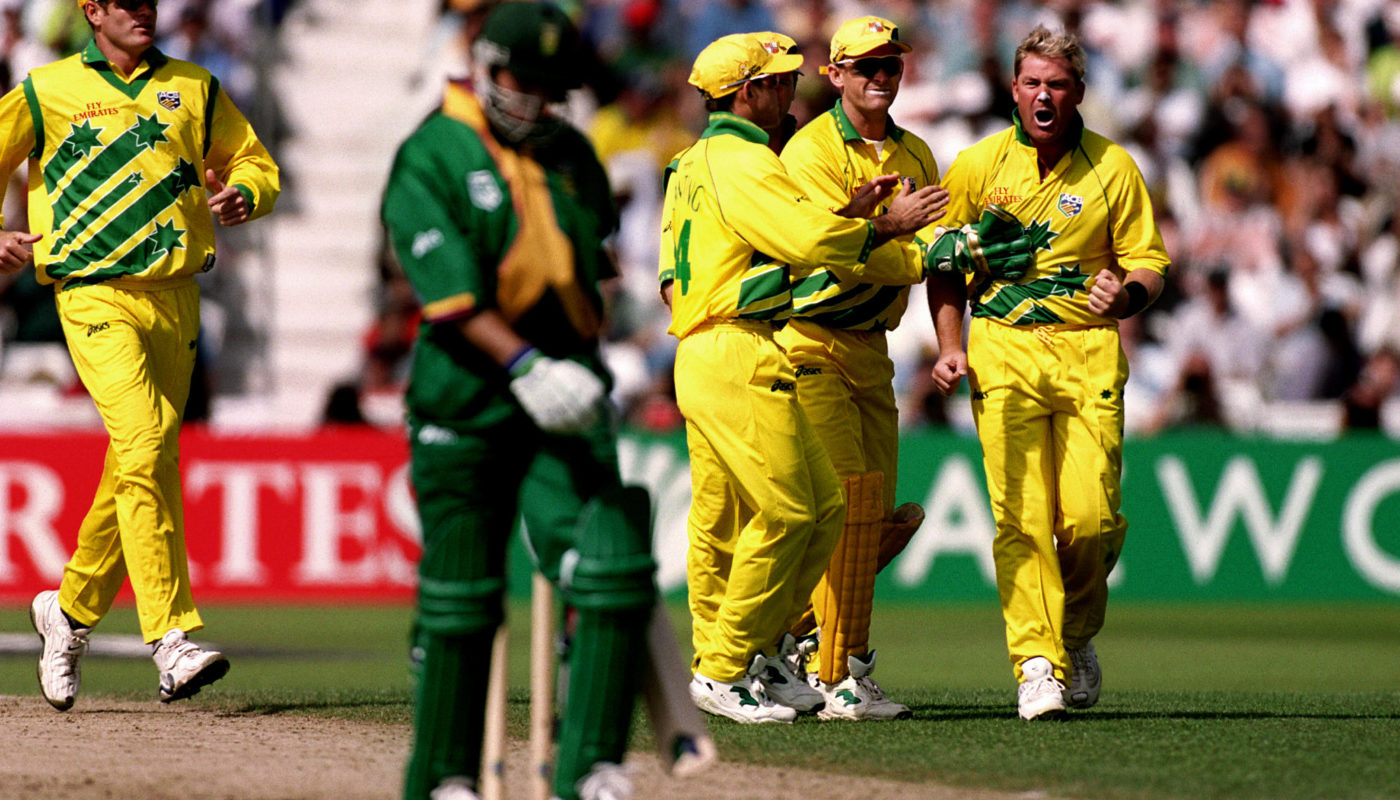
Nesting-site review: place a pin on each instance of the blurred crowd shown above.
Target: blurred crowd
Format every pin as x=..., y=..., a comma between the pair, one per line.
x=1268, y=131
x=230, y=38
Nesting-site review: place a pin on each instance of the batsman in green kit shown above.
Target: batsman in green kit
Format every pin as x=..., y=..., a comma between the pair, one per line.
x=767, y=506
x=129, y=152
x=1058, y=243
x=498, y=211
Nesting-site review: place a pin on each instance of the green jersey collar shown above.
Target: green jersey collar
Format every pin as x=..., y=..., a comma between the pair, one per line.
x=153, y=58
x=722, y=122
x=848, y=130
x=1075, y=132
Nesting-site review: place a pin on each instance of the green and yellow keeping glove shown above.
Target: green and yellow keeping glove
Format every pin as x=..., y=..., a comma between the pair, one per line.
x=996, y=246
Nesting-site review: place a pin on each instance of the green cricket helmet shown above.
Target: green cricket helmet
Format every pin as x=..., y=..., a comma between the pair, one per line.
x=536, y=42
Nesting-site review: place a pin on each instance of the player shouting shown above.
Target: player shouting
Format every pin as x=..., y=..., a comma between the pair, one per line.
x=1044, y=362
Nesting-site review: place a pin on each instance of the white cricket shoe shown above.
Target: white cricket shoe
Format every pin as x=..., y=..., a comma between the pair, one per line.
x=64, y=646
x=606, y=781
x=184, y=666
x=1084, y=682
x=780, y=681
x=456, y=787
x=858, y=696
x=742, y=701
x=1040, y=695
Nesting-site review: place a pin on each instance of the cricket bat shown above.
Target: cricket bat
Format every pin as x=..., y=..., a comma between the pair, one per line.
x=493, y=755
x=682, y=740
x=541, y=687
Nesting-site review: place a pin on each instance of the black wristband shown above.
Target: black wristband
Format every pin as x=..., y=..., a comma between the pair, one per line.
x=1137, y=299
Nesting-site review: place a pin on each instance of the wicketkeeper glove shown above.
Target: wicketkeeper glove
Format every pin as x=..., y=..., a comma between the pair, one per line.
x=997, y=245
x=561, y=396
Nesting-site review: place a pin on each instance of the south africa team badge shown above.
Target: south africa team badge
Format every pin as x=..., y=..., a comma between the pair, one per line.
x=1071, y=204
x=169, y=100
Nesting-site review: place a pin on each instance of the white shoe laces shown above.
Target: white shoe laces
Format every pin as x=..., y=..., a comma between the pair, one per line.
x=872, y=688
x=170, y=654
x=1041, y=687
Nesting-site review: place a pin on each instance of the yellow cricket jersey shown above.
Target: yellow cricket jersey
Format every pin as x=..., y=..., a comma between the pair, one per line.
x=1091, y=212
x=733, y=220
x=829, y=160
x=116, y=175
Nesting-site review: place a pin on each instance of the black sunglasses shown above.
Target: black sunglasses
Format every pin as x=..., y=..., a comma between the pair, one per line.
x=783, y=79
x=867, y=67
x=132, y=5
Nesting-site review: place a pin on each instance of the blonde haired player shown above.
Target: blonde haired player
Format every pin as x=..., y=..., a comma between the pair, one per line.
x=732, y=217
x=836, y=343
x=1044, y=362
x=129, y=151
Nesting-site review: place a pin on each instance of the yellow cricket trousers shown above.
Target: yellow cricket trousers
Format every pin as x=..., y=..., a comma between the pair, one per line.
x=767, y=507
x=134, y=349
x=1048, y=403
x=845, y=382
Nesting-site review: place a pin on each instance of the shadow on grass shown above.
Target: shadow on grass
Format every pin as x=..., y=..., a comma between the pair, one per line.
x=301, y=705
x=946, y=713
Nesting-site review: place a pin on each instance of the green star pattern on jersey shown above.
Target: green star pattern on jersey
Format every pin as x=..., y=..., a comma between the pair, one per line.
x=1018, y=303
x=81, y=171
x=82, y=141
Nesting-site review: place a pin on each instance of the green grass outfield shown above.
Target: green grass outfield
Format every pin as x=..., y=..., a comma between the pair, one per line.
x=1200, y=701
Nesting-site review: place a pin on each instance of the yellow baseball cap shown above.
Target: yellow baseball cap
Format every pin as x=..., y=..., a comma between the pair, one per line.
x=859, y=36
x=727, y=62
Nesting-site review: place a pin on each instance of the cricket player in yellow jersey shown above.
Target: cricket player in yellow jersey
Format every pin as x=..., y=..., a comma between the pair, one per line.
x=129, y=153
x=836, y=343
x=1044, y=363
x=732, y=219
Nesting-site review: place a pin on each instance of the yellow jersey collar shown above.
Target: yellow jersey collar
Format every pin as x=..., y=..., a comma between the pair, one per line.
x=725, y=122
x=848, y=130
x=1075, y=132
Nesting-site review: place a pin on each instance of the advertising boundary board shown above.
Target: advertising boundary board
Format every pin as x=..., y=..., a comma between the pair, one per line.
x=328, y=516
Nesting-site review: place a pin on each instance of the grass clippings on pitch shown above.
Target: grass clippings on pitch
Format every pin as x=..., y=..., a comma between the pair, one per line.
x=1267, y=701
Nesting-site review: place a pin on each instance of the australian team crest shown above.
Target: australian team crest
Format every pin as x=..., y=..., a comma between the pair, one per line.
x=168, y=100
x=1071, y=204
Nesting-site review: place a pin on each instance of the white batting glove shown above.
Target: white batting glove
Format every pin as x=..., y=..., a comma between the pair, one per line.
x=561, y=396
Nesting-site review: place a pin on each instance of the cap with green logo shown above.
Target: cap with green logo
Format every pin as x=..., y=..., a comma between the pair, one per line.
x=536, y=42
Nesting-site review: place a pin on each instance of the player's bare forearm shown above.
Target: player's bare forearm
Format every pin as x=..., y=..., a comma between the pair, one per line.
x=947, y=300
x=489, y=332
